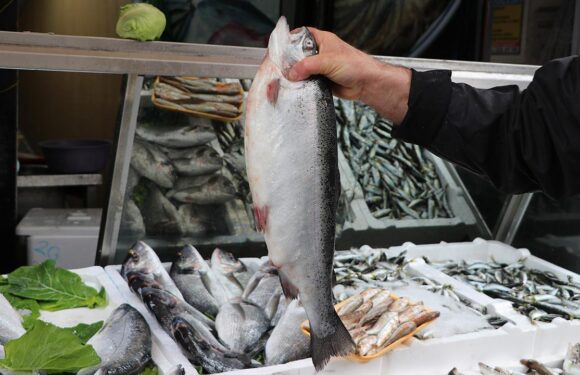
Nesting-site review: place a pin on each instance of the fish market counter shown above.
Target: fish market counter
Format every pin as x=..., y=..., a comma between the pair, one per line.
x=497, y=305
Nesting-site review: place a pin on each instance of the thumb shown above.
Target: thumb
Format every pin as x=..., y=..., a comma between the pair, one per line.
x=312, y=65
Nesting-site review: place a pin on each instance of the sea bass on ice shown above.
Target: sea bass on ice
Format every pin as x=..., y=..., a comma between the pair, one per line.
x=292, y=164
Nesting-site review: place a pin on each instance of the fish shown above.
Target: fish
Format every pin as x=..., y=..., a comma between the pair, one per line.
x=352, y=304
x=133, y=179
x=10, y=322
x=150, y=162
x=539, y=368
x=196, y=161
x=143, y=259
x=160, y=216
x=402, y=330
x=572, y=360
x=365, y=345
x=139, y=280
x=132, y=221
x=225, y=267
x=188, y=272
x=209, y=87
x=381, y=302
x=292, y=167
x=177, y=136
x=214, y=189
x=399, y=305
x=263, y=286
x=194, y=221
x=123, y=343
x=200, y=352
x=387, y=330
x=382, y=322
x=287, y=342
x=220, y=109
x=488, y=370
x=166, y=306
x=240, y=325
x=276, y=308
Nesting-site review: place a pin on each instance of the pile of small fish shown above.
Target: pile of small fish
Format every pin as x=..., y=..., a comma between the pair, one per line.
x=225, y=315
x=571, y=366
x=376, y=319
x=209, y=96
x=540, y=295
x=398, y=180
x=181, y=177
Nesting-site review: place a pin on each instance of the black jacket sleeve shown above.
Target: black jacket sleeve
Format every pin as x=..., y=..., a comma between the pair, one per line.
x=522, y=141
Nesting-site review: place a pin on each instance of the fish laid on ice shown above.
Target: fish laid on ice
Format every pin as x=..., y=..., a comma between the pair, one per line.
x=160, y=215
x=240, y=325
x=263, y=286
x=123, y=343
x=287, y=342
x=150, y=162
x=225, y=267
x=214, y=189
x=10, y=322
x=292, y=164
x=572, y=360
x=177, y=136
x=196, y=161
x=188, y=272
x=143, y=259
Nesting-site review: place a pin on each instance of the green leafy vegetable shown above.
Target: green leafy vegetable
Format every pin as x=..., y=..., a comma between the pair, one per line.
x=140, y=21
x=50, y=348
x=54, y=288
x=150, y=370
x=85, y=331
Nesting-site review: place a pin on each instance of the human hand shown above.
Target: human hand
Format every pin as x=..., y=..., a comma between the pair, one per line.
x=356, y=75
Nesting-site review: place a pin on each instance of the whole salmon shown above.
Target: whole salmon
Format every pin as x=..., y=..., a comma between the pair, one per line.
x=291, y=157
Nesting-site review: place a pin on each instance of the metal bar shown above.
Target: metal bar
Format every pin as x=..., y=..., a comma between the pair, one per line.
x=511, y=217
x=576, y=30
x=60, y=180
x=112, y=216
x=35, y=51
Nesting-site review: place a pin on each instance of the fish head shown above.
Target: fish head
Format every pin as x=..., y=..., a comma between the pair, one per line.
x=160, y=302
x=286, y=48
x=189, y=258
x=140, y=280
x=208, y=156
x=140, y=258
x=226, y=262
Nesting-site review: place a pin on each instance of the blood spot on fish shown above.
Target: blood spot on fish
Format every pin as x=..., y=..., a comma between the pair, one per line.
x=261, y=218
x=272, y=90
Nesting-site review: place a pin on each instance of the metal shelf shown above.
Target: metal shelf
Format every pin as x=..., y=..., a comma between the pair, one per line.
x=34, y=181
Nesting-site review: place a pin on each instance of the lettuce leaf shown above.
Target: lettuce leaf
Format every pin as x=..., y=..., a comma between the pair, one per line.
x=85, y=331
x=54, y=288
x=49, y=348
x=150, y=370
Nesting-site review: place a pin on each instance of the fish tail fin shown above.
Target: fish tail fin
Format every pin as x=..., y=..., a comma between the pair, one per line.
x=336, y=344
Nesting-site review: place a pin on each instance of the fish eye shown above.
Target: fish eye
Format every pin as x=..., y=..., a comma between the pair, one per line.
x=308, y=44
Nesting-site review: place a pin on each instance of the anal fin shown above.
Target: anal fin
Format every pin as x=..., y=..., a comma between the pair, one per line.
x=290, y=290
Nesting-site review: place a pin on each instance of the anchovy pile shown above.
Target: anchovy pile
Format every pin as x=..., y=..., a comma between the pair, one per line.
x=376, y=319
x=226, y=314
x=540, y=295
x=398, y=180
x=360, y=268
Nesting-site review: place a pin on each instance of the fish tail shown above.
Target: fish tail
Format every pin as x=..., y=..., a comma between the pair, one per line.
x=336, y=344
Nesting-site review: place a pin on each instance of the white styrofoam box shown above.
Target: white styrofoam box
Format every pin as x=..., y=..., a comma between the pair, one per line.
x=551, y=339
x=97, y=278
x=166, y=346
x=69, y=236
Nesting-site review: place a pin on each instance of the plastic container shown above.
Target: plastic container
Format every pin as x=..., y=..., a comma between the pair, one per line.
x=69, y=236
x=76, y=156
x=385, y=232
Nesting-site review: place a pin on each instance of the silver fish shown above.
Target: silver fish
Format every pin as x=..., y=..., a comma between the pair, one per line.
x=132, y=221
x=292, y=165
x=287, y=342
x=143, y=259
x=225, y=266
x=240, y=325
x=572, y=360
x=209, y=87
x=263, y=285
x=193, y=220
x=150, y=162
x=177, y=136
x=187, y=271
x=214, y=189
x=196, y=161
x=160, y=215
x=220, y=109
x=10, y=322
x=123, y=343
